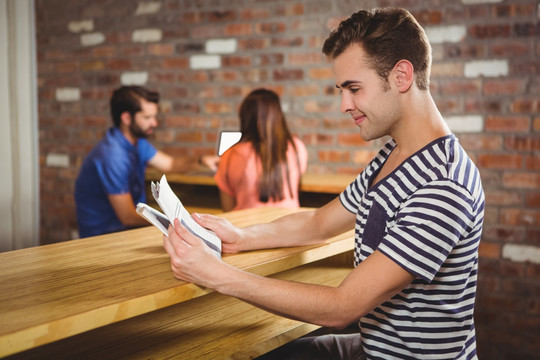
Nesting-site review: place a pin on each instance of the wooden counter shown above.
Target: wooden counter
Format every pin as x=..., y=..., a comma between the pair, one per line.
x=99, y=287
x=199, y=193
x=319, y=183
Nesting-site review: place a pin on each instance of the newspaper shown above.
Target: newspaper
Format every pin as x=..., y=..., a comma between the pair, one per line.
x=173, y=209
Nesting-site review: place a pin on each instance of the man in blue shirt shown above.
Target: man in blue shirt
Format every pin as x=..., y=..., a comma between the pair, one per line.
x=111, y=179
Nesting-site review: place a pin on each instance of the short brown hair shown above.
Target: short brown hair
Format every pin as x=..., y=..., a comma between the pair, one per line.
x=387, y=35
x=128, y=98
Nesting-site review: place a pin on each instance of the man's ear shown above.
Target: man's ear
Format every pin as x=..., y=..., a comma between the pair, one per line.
x=403, y=75
x=125, y=118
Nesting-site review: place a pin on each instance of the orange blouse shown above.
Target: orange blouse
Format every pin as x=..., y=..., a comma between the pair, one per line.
x=239, y=170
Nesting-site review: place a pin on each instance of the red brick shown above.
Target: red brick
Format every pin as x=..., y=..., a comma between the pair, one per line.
x=253, y=14
x=465, y=51
x=160, y=49
x=471, y=142
x=489, y=250
x=536, y=124
x=237, y=30
x=107, y=51
x=320, y=106
x=461, y=87
x=175, y=63
x=217, y=108
x=363, y=157
x=334, y=156
x=305, y=59
x=270, y=28
x=291, y=10
x=251, y=44
x=318, y=139
x=234, y=61
x=67, y=66
x=269, y=59
x=352, y=139
x=189, y=137
x=504, y=86
x=532, y=199
x=507, y=123
x=503, y=233
x=92, y=65
x=321, y=73
x=511, y=49
x=224, y=15
x=533, y=236
x=482, y=105
x=190, y=17
x=525, y=106
x=532, y=163
x=490, y=31
x=119, y=64
x=292, y=74
x=305, y=90
x=500, y=161
x=287, y=42
x=99, y=121
x=131, y=50
x=522, y=180
x=520, y=217
x=501, y=197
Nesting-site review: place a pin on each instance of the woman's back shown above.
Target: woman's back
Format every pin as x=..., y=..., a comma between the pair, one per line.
x=240, y=171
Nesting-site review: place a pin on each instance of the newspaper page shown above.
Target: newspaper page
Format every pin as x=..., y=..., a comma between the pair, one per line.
x=173, y=209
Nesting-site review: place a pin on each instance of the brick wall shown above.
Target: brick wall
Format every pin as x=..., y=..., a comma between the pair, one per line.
x=204, y=56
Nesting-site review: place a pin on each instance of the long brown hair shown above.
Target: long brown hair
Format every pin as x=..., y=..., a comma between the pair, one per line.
x=263, y=124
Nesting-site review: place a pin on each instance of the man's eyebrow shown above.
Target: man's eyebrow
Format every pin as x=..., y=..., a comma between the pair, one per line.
x=346, y=83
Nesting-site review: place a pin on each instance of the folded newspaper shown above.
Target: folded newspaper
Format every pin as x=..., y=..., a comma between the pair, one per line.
x=173, y=209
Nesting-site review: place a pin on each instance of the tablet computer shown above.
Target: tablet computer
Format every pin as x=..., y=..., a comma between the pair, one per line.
x=227, y=139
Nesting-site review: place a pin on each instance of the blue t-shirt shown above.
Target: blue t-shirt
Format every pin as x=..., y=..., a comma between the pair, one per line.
x=114, y=166
x=427, y=217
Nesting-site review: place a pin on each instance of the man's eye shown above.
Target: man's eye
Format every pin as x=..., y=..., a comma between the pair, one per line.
x=354, y=90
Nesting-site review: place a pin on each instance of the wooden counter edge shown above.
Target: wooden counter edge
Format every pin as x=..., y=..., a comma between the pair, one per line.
x=41, y=334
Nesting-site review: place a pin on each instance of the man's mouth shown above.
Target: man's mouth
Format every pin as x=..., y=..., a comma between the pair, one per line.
x=358, y=119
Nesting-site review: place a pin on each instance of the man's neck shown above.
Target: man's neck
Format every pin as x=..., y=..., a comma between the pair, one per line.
x=128, y=135
x=421, y=124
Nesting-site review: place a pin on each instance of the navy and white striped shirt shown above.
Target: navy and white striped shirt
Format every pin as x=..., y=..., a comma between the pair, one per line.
x=426, y=216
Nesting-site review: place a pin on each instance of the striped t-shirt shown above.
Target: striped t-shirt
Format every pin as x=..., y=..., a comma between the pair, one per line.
x=426, y=216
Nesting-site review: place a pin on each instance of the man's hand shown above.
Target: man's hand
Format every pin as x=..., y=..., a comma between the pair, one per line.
x=210, y=161
x=191, y=259
x=230, y=235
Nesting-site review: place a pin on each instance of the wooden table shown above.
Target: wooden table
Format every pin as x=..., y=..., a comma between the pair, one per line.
x=319, y=183
x=199, y=193
x=114, y=296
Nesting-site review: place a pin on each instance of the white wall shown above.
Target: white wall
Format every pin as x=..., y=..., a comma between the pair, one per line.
x=19, y=159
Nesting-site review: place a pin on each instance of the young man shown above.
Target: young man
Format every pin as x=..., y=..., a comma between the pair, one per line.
x=111, y=179
x=417, y=209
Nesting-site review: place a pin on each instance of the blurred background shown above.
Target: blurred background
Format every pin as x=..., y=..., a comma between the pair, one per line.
x=62, y=59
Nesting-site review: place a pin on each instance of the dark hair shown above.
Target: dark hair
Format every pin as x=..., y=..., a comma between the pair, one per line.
x=387, y=36
x=263, y=124
x=128, y=98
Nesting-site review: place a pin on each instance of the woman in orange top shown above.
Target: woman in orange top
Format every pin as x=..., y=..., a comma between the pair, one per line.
x=265, y=166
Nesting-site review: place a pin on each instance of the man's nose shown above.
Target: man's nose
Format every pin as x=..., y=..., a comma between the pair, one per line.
x=347, y=104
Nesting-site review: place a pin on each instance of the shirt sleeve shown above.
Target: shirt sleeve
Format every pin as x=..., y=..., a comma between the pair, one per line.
x=146, y=151
x=428, y=227
x=114, y=173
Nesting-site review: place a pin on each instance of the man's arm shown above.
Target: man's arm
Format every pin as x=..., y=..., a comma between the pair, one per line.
x=227, y=201
x=375, y=280
x=181, y=164
x=300, y=228
x=125, y=210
